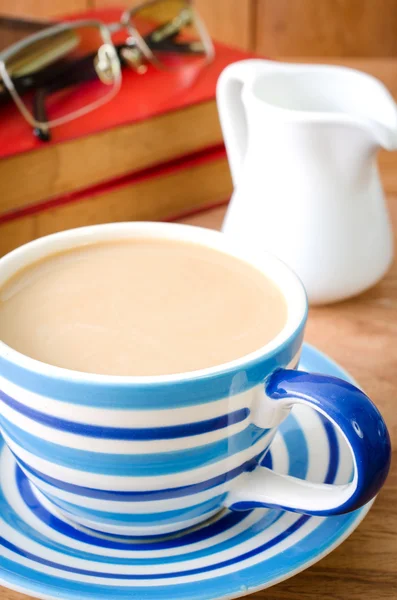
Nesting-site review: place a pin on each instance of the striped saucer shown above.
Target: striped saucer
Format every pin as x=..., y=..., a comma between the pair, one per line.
x=232, y=555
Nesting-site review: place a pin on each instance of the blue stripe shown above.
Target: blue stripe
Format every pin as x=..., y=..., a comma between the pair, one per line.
x=293, y=435
x=295, y=432
x=58, y=525
x=267, y=460
x=321, y=539
x=154, y=495
x=196, y=390
x=153, y=542
x=168, y=516
x=214, y=529
x=294, y=438
x=153, y=576
x=334, y=449
x=139, y=465
x=119, y=433
x=118, y=542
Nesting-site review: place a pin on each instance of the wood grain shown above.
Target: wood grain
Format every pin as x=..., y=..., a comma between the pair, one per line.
x=271, y=27
x=230, y=21
x=326, y=28
x=117, y=3
x=41, y=8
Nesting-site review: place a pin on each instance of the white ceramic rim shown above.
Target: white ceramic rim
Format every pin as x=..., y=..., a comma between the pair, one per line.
x=285, y=279
x=273, y=67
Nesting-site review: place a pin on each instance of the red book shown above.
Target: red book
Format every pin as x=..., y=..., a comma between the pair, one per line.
x=155, y=118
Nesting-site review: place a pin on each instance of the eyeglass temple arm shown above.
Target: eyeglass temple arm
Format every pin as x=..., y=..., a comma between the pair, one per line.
x=40, y=114
x=74, y=73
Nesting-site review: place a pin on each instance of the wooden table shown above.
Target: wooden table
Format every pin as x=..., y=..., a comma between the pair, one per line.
x=361, y=334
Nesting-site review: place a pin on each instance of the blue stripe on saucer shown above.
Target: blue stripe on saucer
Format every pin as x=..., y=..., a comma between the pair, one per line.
x=150, y=576
x=254, y=576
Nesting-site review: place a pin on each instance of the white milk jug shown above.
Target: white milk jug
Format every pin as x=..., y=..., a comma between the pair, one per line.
x=302, y=143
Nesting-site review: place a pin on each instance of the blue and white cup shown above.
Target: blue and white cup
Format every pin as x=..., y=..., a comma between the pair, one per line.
x=143, y=456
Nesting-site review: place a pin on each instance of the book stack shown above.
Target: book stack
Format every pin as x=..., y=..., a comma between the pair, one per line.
x=154, y=152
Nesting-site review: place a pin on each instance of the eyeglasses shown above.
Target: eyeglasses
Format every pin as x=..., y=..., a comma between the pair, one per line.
x=70, y=69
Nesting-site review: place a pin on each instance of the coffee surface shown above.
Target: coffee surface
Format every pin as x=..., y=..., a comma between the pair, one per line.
x=139, y=307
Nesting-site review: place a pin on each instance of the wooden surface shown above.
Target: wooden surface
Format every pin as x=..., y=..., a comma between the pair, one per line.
x=361, y=335
x=275, y=28
x=326, y=27
x=41, y=8
x=230, y=21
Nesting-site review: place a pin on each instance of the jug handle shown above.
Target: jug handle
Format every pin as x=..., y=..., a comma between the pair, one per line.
x=231, y=108
x=232, y=113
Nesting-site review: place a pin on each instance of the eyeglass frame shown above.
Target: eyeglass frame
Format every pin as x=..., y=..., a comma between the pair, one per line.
x=106, y=31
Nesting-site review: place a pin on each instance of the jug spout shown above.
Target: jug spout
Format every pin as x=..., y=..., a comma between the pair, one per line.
x=379, y=114
x=383, y=135
x=331, y=95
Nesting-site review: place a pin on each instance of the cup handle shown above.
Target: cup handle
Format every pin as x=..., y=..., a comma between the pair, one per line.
x=360, y=423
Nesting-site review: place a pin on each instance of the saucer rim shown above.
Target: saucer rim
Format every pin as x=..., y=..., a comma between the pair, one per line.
x=362, y=513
